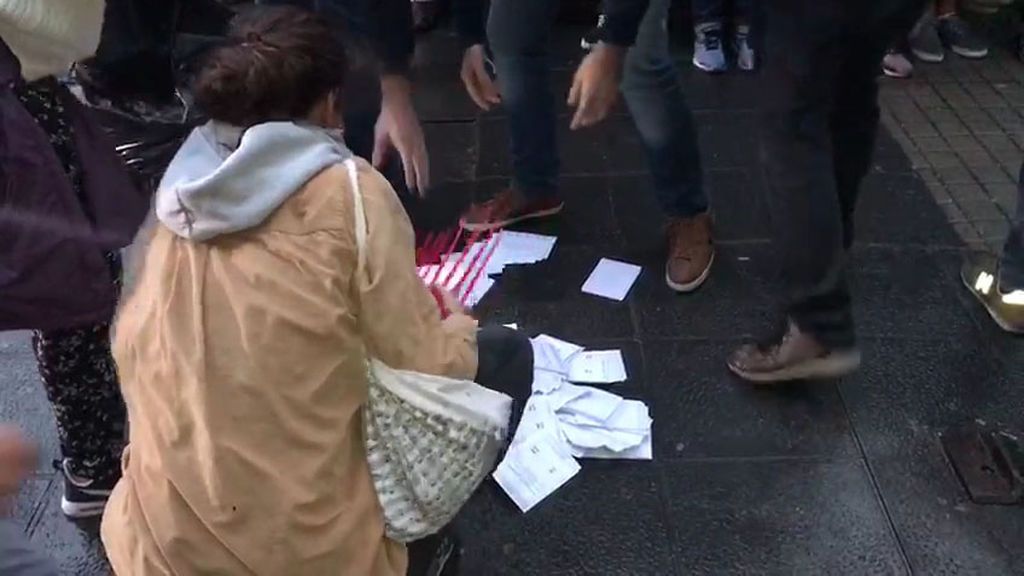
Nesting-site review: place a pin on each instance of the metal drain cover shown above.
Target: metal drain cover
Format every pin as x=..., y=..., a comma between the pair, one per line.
x=988, y=463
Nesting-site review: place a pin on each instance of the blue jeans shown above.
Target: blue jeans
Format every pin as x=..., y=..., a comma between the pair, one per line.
x=518, y=32
x=1011, y=269
x=705, y=11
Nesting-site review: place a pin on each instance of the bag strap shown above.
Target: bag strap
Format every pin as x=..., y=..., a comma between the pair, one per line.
x=360, y=214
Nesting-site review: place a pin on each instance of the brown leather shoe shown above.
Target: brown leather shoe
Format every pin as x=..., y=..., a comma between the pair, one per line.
x=797, y=356
x=691, y=251
x=508, y=207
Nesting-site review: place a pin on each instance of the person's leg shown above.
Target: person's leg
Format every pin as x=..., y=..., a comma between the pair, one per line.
x=518, y=33
x=654, y=93
x=1011, y=270
x=80, y=378
x=998, y=282
x=956, y=33
x=708, y=49
x=804, y=41
x=708, y=11
x=134, y=54
x=18, y=557
x=506, y=364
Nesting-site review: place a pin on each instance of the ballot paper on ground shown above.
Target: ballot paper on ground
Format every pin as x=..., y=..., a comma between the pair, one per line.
x=563, y=421
x=452, y=277
x=546, y=382
x=538, y=416
x=523, y=248
x=535, y=467
x=611, y=279
x=597, y=367
x=552, y=354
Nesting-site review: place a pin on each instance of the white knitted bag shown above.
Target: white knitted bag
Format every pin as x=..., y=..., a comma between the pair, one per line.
x=430, y=440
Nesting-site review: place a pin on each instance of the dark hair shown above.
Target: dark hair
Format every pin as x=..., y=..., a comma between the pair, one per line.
x=277, y=63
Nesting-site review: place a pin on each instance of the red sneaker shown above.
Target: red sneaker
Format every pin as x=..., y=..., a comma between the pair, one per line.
x=506, y=208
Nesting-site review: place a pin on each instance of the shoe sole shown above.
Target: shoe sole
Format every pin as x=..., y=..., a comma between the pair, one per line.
x=970, y=54
x=510, y=221
x=836, y=365
x=80, y=510
x=927, y=57
x=708, y=69
x=892, y=74
x=995, y=317
x=696, y=283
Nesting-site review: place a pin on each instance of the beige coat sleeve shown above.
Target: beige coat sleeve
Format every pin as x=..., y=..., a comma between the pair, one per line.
x=400, y=318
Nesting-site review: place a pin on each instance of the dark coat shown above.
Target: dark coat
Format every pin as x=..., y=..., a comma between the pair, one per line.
x=53, y=274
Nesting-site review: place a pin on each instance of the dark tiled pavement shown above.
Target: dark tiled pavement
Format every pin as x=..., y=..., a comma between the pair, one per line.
x=826, y=478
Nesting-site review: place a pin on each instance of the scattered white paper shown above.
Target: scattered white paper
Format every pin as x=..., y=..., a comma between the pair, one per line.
x=611, y=279
x=644, y=451
x=597, y=367
x=534, y=468
x=522, y=248
x=538, y=417
x=546, y=382
x=552, y=354
x=565, y=394
x=592, y=403
x=563, y=421
x=483, y=284
x=513, y=326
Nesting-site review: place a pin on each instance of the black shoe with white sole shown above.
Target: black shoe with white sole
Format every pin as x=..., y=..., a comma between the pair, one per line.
x=84, y=497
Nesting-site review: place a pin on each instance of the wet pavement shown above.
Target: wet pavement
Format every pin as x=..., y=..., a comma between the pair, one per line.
x=842, y=477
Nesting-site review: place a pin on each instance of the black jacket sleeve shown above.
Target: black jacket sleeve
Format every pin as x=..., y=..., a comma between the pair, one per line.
x=622, y=20
x=393, y=39
x=470, y=20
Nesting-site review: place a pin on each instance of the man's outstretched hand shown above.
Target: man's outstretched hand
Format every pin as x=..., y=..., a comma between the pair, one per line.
x=595, y=88
x=398, y=129
x=478, y=82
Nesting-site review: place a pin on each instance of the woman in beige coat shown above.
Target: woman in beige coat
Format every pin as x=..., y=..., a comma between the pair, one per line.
x=242, y=348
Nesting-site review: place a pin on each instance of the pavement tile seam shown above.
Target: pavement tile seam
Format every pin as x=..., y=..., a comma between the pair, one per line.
x=40, y=505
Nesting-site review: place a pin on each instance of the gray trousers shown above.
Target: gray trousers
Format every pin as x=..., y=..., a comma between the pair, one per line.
x=18, y=557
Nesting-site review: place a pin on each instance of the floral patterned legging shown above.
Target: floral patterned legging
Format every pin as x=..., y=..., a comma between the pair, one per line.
x=76, y=365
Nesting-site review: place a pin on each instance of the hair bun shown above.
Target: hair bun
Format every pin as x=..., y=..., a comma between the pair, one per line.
x=279, y=62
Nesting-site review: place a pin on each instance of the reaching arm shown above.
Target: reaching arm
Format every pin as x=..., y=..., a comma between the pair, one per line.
x=402, y=322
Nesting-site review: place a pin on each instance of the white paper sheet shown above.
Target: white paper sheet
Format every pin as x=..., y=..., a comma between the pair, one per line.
x=535, y=468
x=597, y=367
x=483, y=284
x=538, y=417
x=513, y=326
x=593, y=403
x=523, y=248
x=546, y=382
x=643, y=451
x=565, y=394
x=552, y=354
x=587, y=437
x=611, y=279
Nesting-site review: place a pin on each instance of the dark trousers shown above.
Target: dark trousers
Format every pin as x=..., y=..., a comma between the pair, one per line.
x=820, y=117
x=137, y=51
x=506, y=365
x=519, y=33
x=705, y=11
x=1011, y=270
